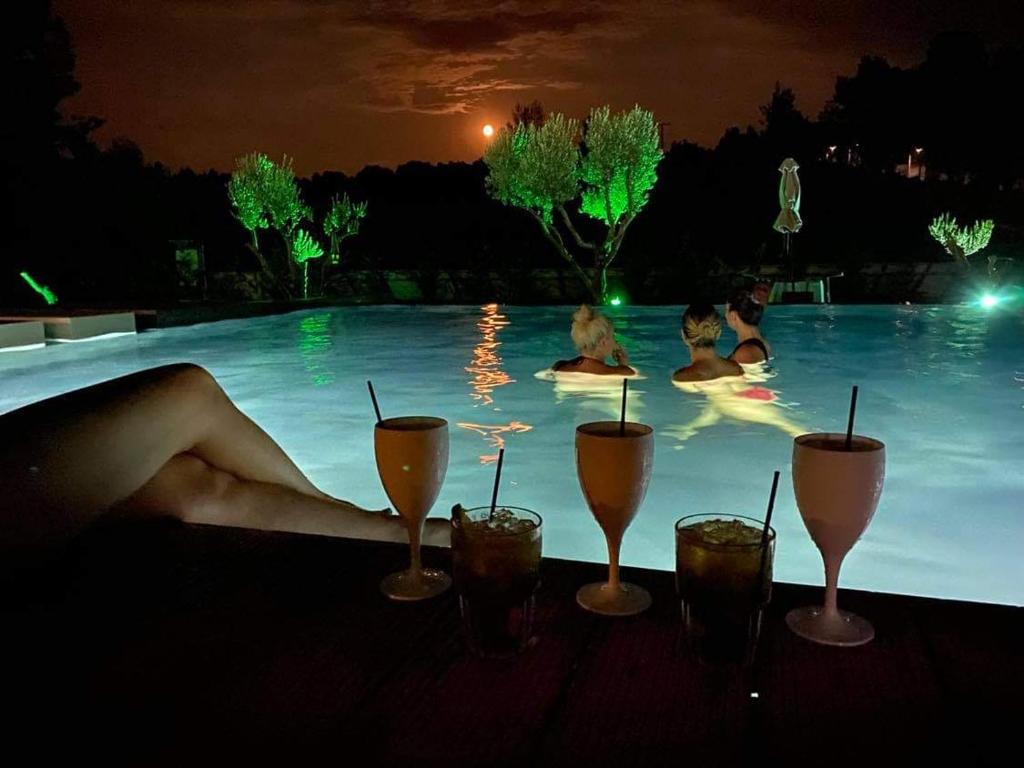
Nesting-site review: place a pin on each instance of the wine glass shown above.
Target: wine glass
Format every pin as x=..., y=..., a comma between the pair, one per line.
x=412, y=458
x=613, y=462
x=837, y=491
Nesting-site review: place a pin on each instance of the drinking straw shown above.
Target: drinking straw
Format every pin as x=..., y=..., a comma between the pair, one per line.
x=622, y=416
x=767, y=523
x=849, y=424
x=497, y=480
x=373, y=397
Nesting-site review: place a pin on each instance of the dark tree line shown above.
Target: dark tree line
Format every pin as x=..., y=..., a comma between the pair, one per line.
x=96, y=224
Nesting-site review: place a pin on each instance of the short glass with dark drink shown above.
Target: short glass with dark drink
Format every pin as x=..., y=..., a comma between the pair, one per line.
x=724, y=582
x=496, y=564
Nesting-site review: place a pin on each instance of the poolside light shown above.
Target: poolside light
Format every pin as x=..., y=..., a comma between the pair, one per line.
x=48, y=296
x=615, y=301
x=989, y=300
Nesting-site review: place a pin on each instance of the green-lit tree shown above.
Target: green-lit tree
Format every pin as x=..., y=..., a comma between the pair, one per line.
x=265, y=195
x=961, y=242
x=304, y=248
x=342, y=222
x=245, y=190
x=612, y=167
x=283, y=206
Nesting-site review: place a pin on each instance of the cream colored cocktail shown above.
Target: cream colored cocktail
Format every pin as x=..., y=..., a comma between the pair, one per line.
x=614, y=468
x=412, y=459
x=837, y=492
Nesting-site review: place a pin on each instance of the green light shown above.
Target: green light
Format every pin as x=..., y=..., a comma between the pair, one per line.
x=616, y=301
x=990, y=300
x=48, y=296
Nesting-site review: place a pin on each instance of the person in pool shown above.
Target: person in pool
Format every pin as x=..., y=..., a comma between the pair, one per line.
x=702, y=327
x=161, y=442
x=594, y=337
x=743, y=313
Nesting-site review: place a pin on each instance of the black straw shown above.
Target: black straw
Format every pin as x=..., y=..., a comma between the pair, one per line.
x=373, y=397
x=849, y=424
x=622, y=416
x=767, y=524
x=497, y=481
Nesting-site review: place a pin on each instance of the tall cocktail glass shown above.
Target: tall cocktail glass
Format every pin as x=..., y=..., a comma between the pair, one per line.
x=614, y=465
x=412, y=459
x=837, y=492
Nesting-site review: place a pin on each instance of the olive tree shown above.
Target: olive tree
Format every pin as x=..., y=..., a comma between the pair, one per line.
x=265, y=195
x=961, y=242
x=342, y=221
x=609, y=165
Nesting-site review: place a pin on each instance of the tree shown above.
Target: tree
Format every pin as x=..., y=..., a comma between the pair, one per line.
x=37, y=75
x=265, y=195
x=245, y=190
x=527, y=114
x=342, y=222
x=540, y=169
x=961, y=242
x=282, y=204
x=304, y=249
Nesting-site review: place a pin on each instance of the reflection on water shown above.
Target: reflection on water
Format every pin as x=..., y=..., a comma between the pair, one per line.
x=736, y=398
x=487, y=377
x=315, y=345
x=599, y=393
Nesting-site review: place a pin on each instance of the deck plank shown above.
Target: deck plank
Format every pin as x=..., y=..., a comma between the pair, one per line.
x=188, y=635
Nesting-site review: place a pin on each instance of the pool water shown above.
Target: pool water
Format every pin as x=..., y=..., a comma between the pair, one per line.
x=943, y=387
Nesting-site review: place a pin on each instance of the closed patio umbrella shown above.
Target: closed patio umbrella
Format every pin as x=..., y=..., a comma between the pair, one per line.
x=788, y=221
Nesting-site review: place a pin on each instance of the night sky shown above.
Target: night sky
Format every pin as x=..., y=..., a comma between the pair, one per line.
x=339, y=85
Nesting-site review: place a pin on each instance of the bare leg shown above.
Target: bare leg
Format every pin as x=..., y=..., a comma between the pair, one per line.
x=66, y=460
x=708, y=417
x=192, y=490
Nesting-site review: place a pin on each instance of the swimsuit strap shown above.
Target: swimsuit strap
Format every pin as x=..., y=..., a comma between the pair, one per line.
x=753, y=343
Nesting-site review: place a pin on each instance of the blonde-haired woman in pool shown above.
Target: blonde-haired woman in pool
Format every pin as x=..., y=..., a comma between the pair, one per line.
x=594, y=337
x=723, y=382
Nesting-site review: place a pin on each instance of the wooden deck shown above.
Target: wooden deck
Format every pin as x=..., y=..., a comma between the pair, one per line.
x=169, y=644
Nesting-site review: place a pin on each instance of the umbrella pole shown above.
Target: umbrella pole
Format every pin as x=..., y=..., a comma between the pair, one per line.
x=789, y=260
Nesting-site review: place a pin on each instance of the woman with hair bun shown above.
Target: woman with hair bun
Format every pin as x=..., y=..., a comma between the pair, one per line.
x=702, y=327
x=594, y=337
x=743, y=313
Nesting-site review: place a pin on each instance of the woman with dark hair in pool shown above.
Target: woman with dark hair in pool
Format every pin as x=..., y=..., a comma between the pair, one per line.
x=702, y=327
x=594, y=337
x=723, y=382
x=743, y=313
x=162, y=442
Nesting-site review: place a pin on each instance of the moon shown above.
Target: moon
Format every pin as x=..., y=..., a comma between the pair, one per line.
x=488, y=130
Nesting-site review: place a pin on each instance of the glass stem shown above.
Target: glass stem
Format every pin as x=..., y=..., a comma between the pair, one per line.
x=613, y=561
x=415, y=535
x=832, y=565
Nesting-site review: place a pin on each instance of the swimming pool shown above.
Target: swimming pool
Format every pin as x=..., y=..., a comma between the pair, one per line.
x=943, y=387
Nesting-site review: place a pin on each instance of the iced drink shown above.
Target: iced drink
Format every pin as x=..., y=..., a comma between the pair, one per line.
x=721, y=583
x=496, y=562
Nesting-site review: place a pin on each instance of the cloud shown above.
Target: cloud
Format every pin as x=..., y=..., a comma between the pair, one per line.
x=476, y=27
x=342, y=83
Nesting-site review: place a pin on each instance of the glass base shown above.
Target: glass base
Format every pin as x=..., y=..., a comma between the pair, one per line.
x=846, y=630
x=627, y=600
x=415, y=585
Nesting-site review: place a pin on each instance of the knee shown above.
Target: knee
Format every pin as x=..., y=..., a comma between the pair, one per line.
x=188, y=373
x=190, y=379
